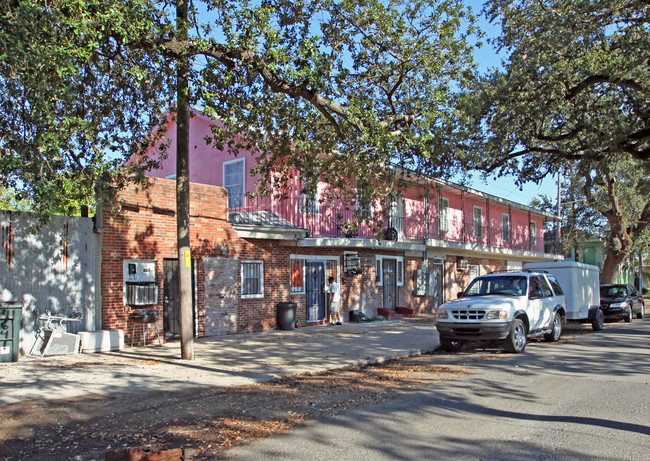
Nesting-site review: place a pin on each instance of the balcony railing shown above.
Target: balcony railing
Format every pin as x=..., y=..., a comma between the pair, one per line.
x=328, y=221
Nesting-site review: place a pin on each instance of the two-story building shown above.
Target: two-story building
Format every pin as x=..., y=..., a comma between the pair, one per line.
x=434, y=241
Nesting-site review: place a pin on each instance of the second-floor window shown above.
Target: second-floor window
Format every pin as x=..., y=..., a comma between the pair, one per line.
x=309, y=199
x=478, y=222
x=362, y=208
x=234, y=182
x=505, y=227
x=533, y=233
x=443, y=214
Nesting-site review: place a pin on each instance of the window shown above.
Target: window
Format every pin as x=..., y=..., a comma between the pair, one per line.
x=399, y=267
x=233, y=181
x=362, y=208
x=297, y=270
x=546, y=288
x=555, y=284
x=443, y=214
x=309, y=199
x=533, y=233
x=505, y=227
x=297, y=276
x=478, y=222
x=252, y=279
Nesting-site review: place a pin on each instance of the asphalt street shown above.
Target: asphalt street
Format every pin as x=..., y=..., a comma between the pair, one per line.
x=586, y=397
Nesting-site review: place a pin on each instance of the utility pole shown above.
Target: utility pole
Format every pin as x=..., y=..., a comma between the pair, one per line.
x=558, y=229
x=183, y=190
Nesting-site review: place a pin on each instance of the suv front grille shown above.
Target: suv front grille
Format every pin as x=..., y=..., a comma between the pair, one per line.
x=468, y=315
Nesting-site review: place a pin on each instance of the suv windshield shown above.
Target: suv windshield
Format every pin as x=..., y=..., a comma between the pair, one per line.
x=515, y=285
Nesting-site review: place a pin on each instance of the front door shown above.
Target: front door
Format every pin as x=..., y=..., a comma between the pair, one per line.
x=171, y=300
x=315, y=290
x=436, y=278
x=389, y=269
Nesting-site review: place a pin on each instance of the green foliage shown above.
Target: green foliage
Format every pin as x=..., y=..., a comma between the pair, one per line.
x=329, y=88
x=573, y=94
x=575, y=86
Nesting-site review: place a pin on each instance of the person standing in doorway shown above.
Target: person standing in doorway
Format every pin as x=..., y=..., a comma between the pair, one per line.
x=335, y=302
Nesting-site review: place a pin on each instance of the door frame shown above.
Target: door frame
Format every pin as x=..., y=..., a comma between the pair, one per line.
x=170, y=288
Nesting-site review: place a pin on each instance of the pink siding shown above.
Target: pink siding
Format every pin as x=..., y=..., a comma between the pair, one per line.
x=206, y=167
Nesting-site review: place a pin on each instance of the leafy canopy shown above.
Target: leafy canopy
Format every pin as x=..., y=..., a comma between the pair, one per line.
x=332, y=88
x=575, y=86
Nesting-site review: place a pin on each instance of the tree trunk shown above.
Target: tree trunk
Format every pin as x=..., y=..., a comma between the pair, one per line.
x=183, y=195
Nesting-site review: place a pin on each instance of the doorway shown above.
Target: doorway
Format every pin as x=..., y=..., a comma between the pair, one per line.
x=171, y=300
x=389, y=277
x=315, y=290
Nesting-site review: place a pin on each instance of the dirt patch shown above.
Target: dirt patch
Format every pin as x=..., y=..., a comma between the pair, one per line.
x=200, y=424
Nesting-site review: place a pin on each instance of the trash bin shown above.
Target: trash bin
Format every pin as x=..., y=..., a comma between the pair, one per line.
x=11, y=314
x=354, y=316
x=287, y=316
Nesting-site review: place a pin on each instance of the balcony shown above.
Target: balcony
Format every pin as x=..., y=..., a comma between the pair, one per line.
x=326, y=221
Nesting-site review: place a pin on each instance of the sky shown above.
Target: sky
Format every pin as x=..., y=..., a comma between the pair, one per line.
x=504, y=187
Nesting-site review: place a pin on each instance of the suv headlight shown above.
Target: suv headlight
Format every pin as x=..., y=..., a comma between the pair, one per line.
x=443, y=314
x=495, y=315
x=623, y=304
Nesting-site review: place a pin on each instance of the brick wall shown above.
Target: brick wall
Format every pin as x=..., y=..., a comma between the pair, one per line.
x=145, y=228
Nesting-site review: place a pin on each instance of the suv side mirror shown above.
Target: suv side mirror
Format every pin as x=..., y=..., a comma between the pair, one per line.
x=459, y=294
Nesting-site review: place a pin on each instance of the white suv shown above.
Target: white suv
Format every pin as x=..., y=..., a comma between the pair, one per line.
x=506, y=307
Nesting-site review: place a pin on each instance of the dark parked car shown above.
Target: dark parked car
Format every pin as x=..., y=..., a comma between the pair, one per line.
x=621, y=302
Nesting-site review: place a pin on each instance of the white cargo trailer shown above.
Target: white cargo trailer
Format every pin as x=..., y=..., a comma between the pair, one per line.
x=581, y=285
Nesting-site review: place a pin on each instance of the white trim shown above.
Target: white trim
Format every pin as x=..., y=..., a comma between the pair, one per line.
x=443, y=224
x=243, y=177
x=399, y=265
x=241, y=275
x=305, y=258
x=474, y=229
x=503, y=228
x=532, y=233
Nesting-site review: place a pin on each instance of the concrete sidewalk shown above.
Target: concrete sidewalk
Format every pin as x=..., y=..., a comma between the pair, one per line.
x=219, y=361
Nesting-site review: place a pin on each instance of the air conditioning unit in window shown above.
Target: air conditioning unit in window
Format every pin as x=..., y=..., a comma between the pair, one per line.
x=141, y=294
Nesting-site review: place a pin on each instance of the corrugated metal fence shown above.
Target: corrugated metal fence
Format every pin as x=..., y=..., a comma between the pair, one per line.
x=52, y=268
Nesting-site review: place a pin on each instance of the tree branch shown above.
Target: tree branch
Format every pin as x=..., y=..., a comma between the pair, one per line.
x=595, y=79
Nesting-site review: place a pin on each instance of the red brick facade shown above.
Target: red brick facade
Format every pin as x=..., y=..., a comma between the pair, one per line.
x=145, y=229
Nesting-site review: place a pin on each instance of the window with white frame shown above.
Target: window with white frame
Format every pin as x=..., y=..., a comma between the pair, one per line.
x=478, y=222
x=399, y=264
x=252, y=279
x=362, y=208
x=234, y=182
x=505, y=227
x=298, y=271
x=310, y=199
x=533, y=233
x=443, y=214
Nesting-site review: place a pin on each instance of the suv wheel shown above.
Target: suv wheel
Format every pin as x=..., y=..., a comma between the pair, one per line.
x=556, y=331
x=516, y=340
x=450, y=345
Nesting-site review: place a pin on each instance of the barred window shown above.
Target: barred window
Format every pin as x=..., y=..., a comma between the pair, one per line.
x=252, y=279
